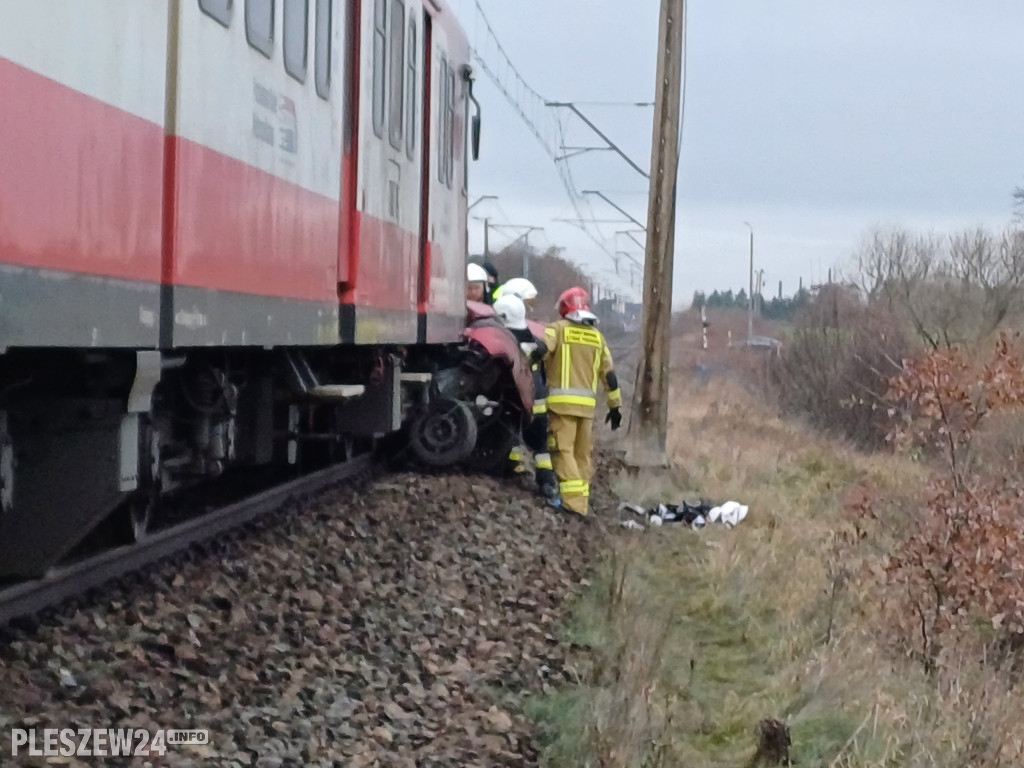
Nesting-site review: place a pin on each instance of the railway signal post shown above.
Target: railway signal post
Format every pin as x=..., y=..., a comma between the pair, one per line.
x=648, y=428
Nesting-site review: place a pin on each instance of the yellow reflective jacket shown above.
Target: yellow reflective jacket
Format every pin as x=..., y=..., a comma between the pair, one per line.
x=577, y=360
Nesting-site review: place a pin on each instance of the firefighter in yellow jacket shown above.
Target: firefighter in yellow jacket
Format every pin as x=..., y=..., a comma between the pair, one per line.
x=577, y=362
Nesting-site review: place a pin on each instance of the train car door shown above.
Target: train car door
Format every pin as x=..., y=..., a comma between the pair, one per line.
x=427, y=169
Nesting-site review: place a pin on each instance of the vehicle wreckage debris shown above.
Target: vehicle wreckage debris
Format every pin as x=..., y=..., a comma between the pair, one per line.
x=696, y=516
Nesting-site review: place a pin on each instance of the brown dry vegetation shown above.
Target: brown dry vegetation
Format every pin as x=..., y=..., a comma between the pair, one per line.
x=697, y=637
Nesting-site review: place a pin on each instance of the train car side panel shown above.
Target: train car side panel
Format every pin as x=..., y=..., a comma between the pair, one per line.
x=382, y=293
x=81, y=159
x=446, y=233
x=257, y=162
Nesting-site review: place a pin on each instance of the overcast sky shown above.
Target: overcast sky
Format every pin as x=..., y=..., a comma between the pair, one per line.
x=814, y=120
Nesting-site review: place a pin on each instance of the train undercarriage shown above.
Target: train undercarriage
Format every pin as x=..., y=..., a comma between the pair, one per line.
x=94, y=444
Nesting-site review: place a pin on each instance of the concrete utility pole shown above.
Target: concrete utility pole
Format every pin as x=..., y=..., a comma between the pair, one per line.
x=750, y=296
x=526, y=250
x=649, y=420
x=487, y=239
x=759, y=287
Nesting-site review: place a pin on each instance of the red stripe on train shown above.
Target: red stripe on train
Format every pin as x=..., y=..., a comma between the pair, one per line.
x=80, y=181
x=85, y=186
x=241, y=229
x=388, y=265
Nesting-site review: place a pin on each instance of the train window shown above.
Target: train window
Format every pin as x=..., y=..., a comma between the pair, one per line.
x=442, y=122
x=259, y=25
x=451, y=127
x=322, y=64
x=219, y=10
x=397, y=84
x=410, y=92
x=296, y=38
x=379, y=41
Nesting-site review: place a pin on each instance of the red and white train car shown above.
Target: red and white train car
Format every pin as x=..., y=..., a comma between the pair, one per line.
x=224, y=225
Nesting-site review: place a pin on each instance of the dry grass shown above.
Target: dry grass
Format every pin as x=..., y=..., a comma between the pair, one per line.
x=698, y=636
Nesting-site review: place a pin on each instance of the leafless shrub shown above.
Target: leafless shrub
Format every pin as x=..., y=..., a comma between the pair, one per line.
x=835, y=368
x=952, y=290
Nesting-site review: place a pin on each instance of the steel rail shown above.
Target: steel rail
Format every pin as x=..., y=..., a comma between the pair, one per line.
x=61, y=583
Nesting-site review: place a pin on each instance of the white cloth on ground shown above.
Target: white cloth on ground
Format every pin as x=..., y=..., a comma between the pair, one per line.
x=731, y=513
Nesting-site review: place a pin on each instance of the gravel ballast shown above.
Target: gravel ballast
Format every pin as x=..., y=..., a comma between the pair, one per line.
x=395, y=623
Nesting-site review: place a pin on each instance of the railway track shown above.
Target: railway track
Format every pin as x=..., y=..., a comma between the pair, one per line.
x=27, y=598
x=74, y=579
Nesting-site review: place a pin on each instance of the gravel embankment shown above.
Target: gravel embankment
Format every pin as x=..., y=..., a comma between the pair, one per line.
x=392, y=624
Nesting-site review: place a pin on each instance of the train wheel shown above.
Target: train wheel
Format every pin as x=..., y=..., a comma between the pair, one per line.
x=444, y=434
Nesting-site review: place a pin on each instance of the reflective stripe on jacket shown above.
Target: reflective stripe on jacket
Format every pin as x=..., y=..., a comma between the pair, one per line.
x=577, y=362
x=540, y=389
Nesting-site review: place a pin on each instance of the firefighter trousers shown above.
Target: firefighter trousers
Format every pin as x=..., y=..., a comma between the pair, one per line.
x=572, y=443
x=535, y=436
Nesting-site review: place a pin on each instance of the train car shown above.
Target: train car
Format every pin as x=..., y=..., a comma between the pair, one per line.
x=232, y=234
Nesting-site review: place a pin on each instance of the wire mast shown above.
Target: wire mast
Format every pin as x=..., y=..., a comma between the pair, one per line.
x=648, y=427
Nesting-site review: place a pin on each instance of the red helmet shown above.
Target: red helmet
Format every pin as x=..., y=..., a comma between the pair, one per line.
x=573, y=300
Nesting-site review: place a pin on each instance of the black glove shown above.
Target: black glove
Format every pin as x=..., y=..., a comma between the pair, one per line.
x=614, y=418
x=539, y=353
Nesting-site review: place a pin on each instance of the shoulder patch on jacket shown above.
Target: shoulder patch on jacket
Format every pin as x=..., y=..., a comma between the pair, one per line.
x=574, y=334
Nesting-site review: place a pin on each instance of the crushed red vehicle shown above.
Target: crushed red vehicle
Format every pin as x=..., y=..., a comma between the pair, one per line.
x=479, y=404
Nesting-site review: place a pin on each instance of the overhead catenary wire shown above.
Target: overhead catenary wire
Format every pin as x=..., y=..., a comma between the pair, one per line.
x=630, y=104
x=545, y=124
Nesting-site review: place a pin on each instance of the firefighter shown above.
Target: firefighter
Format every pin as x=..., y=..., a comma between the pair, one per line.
x=476, y=283
x=577, y=360
x=492, y=282
x=511, y=310
x=521, y=287
x=527, y=291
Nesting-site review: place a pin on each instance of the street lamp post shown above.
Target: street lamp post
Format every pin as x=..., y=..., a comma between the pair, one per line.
x=750, y=295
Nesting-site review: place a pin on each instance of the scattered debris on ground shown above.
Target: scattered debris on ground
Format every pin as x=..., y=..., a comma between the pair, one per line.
x=696, y=516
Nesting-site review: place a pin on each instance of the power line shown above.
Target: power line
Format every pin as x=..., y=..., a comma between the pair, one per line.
x=545, y=124
x=615, y=103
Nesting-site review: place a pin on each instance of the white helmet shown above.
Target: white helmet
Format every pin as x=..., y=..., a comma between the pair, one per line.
x=511, y=311
x=475, y=274
x=521, y=287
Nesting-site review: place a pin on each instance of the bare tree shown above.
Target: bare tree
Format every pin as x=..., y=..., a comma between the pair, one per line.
x=953, y=290
x=991, y=272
